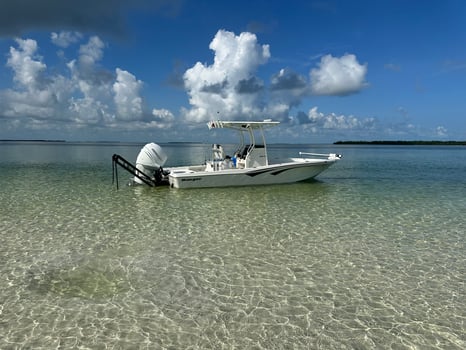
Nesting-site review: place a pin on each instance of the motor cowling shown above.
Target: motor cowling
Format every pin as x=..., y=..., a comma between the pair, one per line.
x=150, y=160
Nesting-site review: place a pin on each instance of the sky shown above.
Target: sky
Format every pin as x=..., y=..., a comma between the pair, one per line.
x=159, y=70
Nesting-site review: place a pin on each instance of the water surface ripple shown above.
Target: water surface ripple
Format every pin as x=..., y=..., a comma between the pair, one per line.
x=372, y=255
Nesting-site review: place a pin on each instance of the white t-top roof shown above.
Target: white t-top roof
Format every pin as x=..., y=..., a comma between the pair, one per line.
x=241, y=125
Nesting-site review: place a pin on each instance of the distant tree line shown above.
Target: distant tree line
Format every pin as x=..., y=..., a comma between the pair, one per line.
x=404, y=143
x=29, y=140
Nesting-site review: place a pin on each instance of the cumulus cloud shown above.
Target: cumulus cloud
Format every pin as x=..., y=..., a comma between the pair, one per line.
x=127, y=99
x=92, y=102
x=34, y=95
x=26, y=66
x=86, y=72
x=64, y=39
x=338, y=76
x=91, y=52
x=231, y=88
x=163, y=117
x=229, y=85
x=25, y=62
x=319, y=120
x=85, y=95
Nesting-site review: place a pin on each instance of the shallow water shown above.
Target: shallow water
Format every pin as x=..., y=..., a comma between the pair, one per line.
x=371, y=255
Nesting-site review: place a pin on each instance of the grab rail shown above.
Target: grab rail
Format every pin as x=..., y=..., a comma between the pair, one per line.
x=328, y=155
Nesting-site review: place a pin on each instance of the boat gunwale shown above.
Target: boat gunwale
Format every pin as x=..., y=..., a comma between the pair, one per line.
x=182, y=171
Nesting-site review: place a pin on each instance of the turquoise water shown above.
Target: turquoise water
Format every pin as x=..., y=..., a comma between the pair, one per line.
x=371, y=255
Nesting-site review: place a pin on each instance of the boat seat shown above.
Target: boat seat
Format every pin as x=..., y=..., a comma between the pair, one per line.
x=219, y=153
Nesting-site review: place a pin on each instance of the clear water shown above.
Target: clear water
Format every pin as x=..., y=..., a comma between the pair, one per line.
x=372, y=255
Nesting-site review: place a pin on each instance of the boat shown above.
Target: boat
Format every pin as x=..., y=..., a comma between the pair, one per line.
x=249, y=165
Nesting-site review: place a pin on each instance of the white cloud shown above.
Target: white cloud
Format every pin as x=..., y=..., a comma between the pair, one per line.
x=163, y=118
x=87, y=94
x=337, y=122
x=35, y=94
x=91, y=52
x=338, y=76
x=93, y=98
x=441, y=131
x=277, y=109
x=127, y=100
x=228, y=86
x=26, y=66
x=65, y=38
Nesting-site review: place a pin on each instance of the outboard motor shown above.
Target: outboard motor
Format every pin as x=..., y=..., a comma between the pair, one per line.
x=150, y=160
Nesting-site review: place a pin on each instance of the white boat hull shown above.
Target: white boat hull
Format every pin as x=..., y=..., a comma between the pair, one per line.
x=249, y=165
x=295, y=171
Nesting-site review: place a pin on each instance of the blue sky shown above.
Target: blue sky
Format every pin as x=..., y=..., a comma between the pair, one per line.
x=137, y=70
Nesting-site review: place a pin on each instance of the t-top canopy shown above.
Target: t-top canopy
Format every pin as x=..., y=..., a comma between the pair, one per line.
x=241, y=125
